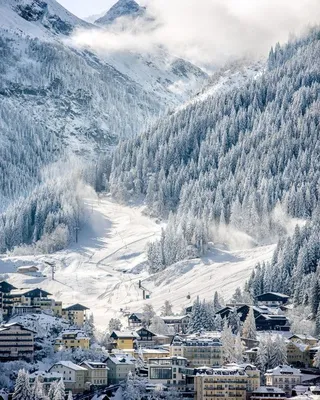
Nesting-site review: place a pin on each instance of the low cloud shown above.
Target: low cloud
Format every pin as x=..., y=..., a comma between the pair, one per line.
x=209, y=32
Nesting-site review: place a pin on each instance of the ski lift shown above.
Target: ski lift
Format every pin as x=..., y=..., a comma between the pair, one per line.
x=188, y=296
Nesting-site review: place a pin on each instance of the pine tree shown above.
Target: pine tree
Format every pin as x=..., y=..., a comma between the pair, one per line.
x=52, y=390
x=234, y=321
x=279, y=356
x=37, y=390
x=59, y=393
x=22, y=390
x=166, y=309
x=249, y=330
x=316, y=360
x=317, y=329
x=238, y=349
x=228, y=342
x=70, y=397
x=216, y=301
x=315, y=297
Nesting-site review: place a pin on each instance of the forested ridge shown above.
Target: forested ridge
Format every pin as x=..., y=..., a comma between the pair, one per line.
x=236, y=158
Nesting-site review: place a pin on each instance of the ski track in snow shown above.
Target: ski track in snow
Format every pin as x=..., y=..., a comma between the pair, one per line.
x=98, y=271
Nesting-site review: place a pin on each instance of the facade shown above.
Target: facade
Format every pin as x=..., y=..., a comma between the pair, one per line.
x=74, y=376
x=283, y=377
x=147, y=354
x=72, y=339
x=268, y=393
x=168, y=371
x=272, y=299
x=220, y=383
x=199, y=350
x=97, y=373
x=178, y=323
x=135, y=320
x=119, y=367
x=253, y=375
x=75, y=314
x=124, y=340
x=306, y=339
x=5, y=298
x=298, y=354
x=16, y=342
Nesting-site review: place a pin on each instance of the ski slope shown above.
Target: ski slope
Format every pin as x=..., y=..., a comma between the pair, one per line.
x=102, y=271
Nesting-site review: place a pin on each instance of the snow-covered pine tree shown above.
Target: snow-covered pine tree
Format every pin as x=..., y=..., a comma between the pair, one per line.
x=249, y=330
x=228, y=343
x=166, y=309
x=234, y=321
x=315, y=297
x=59, y=393
x=52, y=390
x=22, y=390
x=37, y=390
x=317, y=324
x=70, y=397
x=239, y=349
x=316, y=360
x=279, y=355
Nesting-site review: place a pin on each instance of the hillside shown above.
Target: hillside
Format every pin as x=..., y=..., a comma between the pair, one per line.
x=104, y=269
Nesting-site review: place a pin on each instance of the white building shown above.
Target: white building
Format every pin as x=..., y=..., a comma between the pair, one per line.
x=283, y=377
x=168, y=371
x=74, y=376
x=97, y=373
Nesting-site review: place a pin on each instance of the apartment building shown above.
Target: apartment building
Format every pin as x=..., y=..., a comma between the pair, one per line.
x=119, y=367
x=75, y=314
x=74, y=376
x=168, y=371
x=16, y=342
x=72, y=339
x=97, y=373
x=253, y=375
x=283, y=377
x=202, y=349
x=219, y=383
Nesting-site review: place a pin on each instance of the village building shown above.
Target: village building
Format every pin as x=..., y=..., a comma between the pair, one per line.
x=306, y=339
x=119, y=367
x=148, y=339
x=6, y=302
x=199, y=350
x=178, y=323
x=268, y=393
x=272, y=299
x=124, y=340
x=298, y=354
x=253, y=375
x=145, y=354
x=72, y=339
x=16, y=342
x=97, y=373
x=75, y=314
x=283, y=377
x=135, y=320
x=74, y=376
x=220, y=383
x=168, y=371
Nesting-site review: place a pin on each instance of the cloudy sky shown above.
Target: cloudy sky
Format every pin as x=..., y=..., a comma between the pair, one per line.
x=204, y=31
x=85, y=8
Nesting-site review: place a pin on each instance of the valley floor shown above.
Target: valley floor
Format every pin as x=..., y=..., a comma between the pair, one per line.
x=103, y=270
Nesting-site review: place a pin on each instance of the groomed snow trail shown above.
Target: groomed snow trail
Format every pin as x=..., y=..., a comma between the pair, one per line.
x=103, y=270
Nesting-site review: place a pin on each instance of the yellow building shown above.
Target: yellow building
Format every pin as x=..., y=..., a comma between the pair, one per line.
x=72, y=339
x=75, y=314
x=124, y=340
x=147, y=354
x=306, y=339
x=97, y=373
x=219, y=383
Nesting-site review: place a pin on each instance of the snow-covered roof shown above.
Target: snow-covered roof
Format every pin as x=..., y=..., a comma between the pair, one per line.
x=283, y=370
x=175, y=318
x=302, y=337
x=78, y=334
x=5, y=327
x=69, y=364
x=46, y=375
x=120, y=359
x=94, y=365
x=76, y=307
x=125, y=334
x=268, y=389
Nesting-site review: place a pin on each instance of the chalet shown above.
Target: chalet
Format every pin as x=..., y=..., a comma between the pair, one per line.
x=16, y=342
x=265, y=320
x=5, y=298
x=135, y=320
x=72, y=339
x=146, y=338
x=124, y=340
x=178, y=323
x=75, y=314
x=272, y=299
x=34, y=297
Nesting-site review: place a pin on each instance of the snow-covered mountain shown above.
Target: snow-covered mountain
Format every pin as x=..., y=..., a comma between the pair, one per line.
x=123, y=8
x=55, y=97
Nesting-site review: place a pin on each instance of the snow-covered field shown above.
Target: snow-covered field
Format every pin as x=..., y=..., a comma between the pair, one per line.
x=103, y=270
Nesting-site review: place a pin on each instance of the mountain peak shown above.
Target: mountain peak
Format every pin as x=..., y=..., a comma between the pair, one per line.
x=123, y=8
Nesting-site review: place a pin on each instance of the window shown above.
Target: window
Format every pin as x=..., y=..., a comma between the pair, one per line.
x=160, y=373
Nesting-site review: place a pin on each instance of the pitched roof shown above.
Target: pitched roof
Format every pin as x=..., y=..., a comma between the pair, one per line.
x=5, y=327
x=95, y=365
x=4, y=285
x=76, y=307
x=174, y=318
x=268, y=389
x=137, y=314
x=25, y=292
x=120, y=359
x=124, y=335
x=69, y=364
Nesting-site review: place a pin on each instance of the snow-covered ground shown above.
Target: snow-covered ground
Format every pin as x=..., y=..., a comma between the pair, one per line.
x=103, y=270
